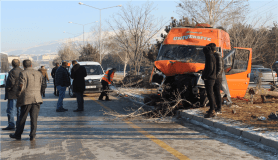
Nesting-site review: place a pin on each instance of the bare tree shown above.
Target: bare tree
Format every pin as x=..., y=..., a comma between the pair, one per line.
x=214, y=12
x=270, y=49
x=134, y=29
x=68, y=51
x=114, y=45
x=89, y=53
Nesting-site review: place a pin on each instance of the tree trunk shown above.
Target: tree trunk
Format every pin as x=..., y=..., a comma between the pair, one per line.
x=265, y=92
x=125, y=67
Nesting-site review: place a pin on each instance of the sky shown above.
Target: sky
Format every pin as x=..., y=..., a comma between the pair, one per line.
x=28, y=23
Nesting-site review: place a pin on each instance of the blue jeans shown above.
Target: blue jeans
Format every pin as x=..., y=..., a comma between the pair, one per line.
x=62, y=91
x=11, y=105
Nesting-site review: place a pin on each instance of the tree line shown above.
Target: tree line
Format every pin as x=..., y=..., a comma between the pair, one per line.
x=131, y=43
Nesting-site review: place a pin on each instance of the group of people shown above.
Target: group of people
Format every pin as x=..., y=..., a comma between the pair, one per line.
x=61, y=79
x=25, y=88
x=212, y=76
x=24, y=91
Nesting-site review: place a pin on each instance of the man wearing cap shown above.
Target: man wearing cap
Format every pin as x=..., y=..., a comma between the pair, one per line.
x=106, y=80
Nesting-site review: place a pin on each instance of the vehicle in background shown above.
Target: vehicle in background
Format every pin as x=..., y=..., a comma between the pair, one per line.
x=267, y=75
x=257, y=66
x=93, y=79
x=4, y=64
x=275, y=67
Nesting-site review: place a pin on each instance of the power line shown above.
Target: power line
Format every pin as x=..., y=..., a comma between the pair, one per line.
x=261, y=6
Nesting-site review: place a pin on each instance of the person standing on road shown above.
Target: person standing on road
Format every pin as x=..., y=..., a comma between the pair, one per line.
x=45, y=77
x=209, y=76
x=56, y=93
x=106, y=80
x=62, y=80
x=10, y=94
x=78, y=73
x=218, y=81
x=29, y=99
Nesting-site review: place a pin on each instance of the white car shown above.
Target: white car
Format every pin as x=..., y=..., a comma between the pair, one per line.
x=93, y=79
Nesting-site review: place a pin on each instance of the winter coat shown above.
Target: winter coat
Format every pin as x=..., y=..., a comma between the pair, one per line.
x=209, y=72
x=12, y=83
x=45, y=77
x=62, y=77
x=53, y=73
x=219, y=64
x=30, y=92
x=77, y=74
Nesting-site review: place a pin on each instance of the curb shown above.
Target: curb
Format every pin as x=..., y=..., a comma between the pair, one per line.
x=229, y=128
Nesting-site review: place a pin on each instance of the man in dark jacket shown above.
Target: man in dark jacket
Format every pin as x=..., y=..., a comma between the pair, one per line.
x=78, y=73
x=53, y=76
x=209, y=76
x=62, y=81
x=106, y=80
x=218, y=81
x=10, y=94
x=29, y=99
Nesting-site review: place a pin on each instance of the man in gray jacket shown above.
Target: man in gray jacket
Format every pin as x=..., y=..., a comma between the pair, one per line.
x=10, y=94
x=29, y=99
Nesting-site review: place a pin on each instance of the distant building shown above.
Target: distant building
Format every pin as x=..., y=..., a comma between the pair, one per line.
x=25, y=56
x=37, y=57
x=11, y=57
x=49, y=57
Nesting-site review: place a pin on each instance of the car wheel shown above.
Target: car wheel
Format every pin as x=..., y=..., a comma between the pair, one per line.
x=71, y=94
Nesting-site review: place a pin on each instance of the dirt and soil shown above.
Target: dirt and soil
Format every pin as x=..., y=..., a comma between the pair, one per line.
x=251, y=114
x=241, y=110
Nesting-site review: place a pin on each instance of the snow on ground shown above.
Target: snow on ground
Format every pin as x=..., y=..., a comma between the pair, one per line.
x=132, y=93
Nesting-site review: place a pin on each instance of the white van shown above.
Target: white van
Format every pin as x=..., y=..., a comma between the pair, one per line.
x=93, y=79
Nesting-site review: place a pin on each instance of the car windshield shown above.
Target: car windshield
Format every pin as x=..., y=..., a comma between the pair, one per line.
x=93, y=69
x=192, y=54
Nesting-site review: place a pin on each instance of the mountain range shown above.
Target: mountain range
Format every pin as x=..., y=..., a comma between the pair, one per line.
x=53, y=46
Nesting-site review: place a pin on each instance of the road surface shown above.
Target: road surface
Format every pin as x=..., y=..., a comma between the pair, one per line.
x=93, y=134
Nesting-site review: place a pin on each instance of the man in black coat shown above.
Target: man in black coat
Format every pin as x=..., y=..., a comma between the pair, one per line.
x=53, y=76
x=218, y=81
x=209, y=76
x=78, y=73
x=10, y=94
x=62, y=81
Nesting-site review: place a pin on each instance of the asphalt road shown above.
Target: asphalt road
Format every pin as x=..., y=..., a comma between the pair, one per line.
x=96, y=134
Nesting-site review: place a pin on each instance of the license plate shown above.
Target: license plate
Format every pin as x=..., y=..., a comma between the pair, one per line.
x=91, y=86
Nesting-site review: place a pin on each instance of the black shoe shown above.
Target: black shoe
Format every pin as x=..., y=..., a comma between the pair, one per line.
x=108, y=100
x=8, y=128
x=60, y=110
x=209, y=115
x=218, y=111
x=208, y=111
x=78, y=110
x=65, y=109
x=13, y=136
x=32, y=138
